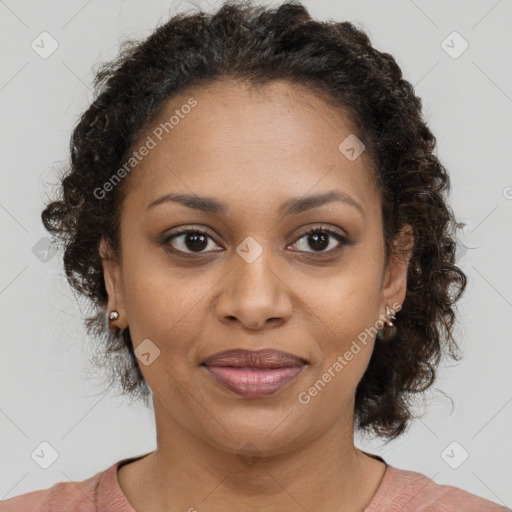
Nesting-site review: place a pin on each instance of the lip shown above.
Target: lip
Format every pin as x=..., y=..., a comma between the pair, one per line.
x=254, y=374
x=254, y=382
x=266, y=358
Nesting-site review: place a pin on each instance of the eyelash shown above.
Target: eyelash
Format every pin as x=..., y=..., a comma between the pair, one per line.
x=319, y=229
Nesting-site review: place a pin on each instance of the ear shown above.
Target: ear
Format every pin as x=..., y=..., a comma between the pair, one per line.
x=113, y=284
x=394, y=285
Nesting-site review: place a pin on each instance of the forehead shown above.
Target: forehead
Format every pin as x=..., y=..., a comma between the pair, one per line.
x=237, y=141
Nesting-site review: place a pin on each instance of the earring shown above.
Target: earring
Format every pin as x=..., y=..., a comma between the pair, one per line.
x=113, y=315
x=390, y=332
x=389, y=323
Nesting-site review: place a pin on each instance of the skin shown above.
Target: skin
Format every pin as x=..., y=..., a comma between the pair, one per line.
x=252, y=148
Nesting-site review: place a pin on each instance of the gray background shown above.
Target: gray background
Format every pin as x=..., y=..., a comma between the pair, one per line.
x=46, y=394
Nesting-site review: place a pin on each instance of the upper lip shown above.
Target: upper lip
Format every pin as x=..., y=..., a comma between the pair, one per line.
x=254, y=359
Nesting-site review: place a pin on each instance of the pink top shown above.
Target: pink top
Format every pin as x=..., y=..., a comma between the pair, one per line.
x=400, y=491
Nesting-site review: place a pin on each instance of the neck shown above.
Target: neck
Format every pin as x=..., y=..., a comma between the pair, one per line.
x=187, y=472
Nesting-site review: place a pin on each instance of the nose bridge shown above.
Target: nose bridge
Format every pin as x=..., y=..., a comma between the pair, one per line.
x=255, y=292
x=254, y=267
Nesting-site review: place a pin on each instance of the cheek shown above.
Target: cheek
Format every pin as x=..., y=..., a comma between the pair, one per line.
x=156, y=293
x=164, y=306
x=346, y=310
x=167, y=312
x=346, y=300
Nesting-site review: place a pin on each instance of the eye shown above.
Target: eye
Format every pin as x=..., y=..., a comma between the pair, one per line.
x=190, y=241
x=318, y=239
x=195, y=240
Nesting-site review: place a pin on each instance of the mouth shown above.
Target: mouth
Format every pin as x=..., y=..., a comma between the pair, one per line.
x=254, y=374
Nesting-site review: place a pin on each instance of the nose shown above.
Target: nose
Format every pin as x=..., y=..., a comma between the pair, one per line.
x=254, y=294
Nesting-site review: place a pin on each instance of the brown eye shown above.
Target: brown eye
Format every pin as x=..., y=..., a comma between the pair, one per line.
x=195, y=241
x=188, y=241
x=319, y=239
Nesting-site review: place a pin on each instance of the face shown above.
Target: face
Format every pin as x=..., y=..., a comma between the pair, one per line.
x=252, y=278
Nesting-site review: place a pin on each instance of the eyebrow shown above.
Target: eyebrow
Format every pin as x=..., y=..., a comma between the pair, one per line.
x=294, y=205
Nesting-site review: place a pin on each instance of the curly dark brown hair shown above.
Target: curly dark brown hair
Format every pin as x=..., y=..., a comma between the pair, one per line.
x=259, y=44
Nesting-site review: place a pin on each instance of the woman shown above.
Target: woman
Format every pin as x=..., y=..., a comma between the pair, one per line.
x=317, y=300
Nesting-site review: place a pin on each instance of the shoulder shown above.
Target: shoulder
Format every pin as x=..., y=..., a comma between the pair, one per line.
x=402, y=490
x=80, y=496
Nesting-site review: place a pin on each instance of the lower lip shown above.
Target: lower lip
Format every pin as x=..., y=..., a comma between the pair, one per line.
x=254, y=382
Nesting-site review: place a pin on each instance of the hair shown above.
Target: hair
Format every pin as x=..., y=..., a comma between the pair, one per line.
x=257, y=45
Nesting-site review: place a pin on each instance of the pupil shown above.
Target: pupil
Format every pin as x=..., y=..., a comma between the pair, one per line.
x=323, y=244
x=198, y=241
